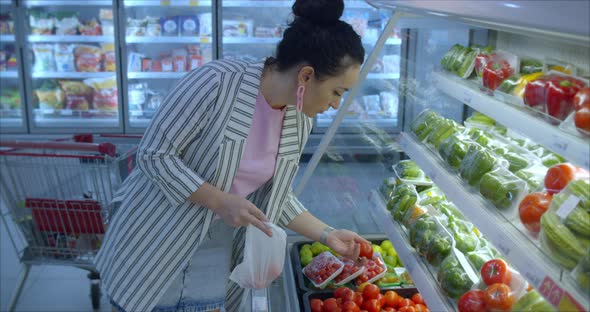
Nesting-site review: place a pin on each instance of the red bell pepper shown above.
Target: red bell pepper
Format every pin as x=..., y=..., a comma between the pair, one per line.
x=495, y=72
x=534, y=92
x=481, y=60
x=560, y=92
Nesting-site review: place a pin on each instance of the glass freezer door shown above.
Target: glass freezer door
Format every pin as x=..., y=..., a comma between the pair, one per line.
x=164, y=40
x=11, y=91
x=71, y=67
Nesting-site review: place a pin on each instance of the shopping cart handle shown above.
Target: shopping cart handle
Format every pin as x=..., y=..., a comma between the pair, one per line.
x=103, y=148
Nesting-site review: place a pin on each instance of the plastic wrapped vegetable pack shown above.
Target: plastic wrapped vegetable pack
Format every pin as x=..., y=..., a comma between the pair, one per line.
x=477, y=162
x=422, y=232
x=502, y=188
x=442, y=130
x=465, y=238
x=515, y=160
x=431, y=196
x=453, y=277
x=408, y=171
x=454, y=148
x=424, y=123
x=403, y=198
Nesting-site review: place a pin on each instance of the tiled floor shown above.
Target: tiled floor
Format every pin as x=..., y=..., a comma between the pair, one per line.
x=337, y=193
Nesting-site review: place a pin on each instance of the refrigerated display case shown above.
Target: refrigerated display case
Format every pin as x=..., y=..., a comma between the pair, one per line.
x=448, y=66
x=71, y=66
x=11, y=90
x=163, y=41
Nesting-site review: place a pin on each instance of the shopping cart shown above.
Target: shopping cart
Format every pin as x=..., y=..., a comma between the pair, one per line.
x=55, y=200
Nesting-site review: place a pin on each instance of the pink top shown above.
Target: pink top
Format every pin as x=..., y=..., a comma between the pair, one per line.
x=262, y=146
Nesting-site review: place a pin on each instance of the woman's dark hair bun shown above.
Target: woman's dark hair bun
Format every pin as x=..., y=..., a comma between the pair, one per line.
x=320, y=12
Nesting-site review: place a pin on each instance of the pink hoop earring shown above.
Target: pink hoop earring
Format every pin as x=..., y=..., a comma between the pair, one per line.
x=300, y=92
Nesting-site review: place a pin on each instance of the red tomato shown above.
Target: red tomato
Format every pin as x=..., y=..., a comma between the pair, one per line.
x=372, y=305
x=421, y=308
x=405, y=302
x=582, y=98
x=392, y=299
x=366, y=250
x=344, y=293
x=582, y=118
x=339, y=293
x=381, y=299
x=558, y=177
x=388, y=309
x=472, y=301
x=498, y=297
x=358, y=298
x=371, y=291
x=417, y=298
x=407, y=309
x=531, y=208
x=331, y=305
x=350, y=306
x=316, y=305
x=495, y=271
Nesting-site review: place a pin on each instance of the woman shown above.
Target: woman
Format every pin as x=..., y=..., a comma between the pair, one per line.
x=226, y=144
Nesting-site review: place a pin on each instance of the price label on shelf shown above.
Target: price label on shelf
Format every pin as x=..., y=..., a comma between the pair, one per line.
x=558, y=297
x=205, y=39
x=193, y=3
x=164, y=2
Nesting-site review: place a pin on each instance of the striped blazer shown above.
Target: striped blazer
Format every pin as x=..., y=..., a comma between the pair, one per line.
x=198, y=135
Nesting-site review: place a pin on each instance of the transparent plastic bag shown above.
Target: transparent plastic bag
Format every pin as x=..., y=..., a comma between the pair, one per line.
x=424, y=123
x=263, y=258
x=477, y=162
x=503, y=189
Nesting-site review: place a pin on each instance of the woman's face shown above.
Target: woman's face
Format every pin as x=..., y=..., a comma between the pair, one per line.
x=320, y=95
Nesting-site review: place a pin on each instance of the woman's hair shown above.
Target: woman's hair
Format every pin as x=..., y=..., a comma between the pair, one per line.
x=318, y=38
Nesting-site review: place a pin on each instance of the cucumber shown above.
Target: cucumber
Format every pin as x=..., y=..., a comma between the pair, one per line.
x=561, y=242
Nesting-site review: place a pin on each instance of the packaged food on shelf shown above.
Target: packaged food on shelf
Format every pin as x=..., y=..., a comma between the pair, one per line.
x=517, y=159
x=582, y=110
x=477, y=258
x=423, y=124
x=552, y=64
x=41, y=22
x=559, y=176
x=238, y=28
x=6, y=24
x=581, y=273
x=8, y=58
x=44, y=57
x=431, y=195
x=108, y=50
x=261, y=31
x=64, y=57
x=136, y=27
x=503, y=189
x=322, y=269
x=477, y=162
x=409, y=172
x=560, y=244
x=106, y=22
x=442, y=130
x=90, y=28
x=189, y=25
x=534, y=176
x=450, y=56
x=9, y=98
x=422, y=232
x=137, y=97
x=403, y=198
x=531, y=208
x=170, y=25
x=389, y=103
x=529, y=65
x=553, y=94
x=374, y=269
x=88, y=58
x=350, y=271
x=440, y=245
x=478, y=119
x=532, y=301
x=500, y=66
x=49, y=95
x=134, y=61
x=105, y=93
x=205, y=24
x=66, y=23
x=454, y=149
x=78, y=95
x=455, y=275
x=465, y=238
x=412, y=214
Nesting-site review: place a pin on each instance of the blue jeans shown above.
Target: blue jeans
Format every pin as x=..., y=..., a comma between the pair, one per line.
x=201, y=285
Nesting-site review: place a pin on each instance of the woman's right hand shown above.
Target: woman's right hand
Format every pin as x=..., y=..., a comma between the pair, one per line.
x=237, y=211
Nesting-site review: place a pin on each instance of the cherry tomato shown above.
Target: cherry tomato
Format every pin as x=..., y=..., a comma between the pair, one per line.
x=371, y=291
x=405, y=302
x=558, y=177
x=358, y=298
x=372, y=305
x=472, y=301
x=366, y=250
x=316, y=305
x=407, y=309
x=582, y=118
x=417, y=298
x=498, y=297
x=350, y=306
x=331, y=305
x=421, y=308
x=392, y=299
x=531, y=208
x=496, y=271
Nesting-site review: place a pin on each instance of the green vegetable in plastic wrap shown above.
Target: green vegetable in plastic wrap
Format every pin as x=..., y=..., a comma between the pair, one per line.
x=552, y=159
x=449, y=57
x=453, y=149
x=423, y=124
x=438, y=249
x=502, y=188
x=508, y=85
x=431, y=196
x=453, y=278
x=466, y=67
x=534, y=177
x=443, y=130
x=516, y=161
x=559, y=242
x=459, y=58
x=476, y=163
x=479, y=118
x=530, y=65
x=422, y=232
x=480, y=137
x=404, y=197
x=449, y=210
x=9, y=98
x=582, y=272
x=465, y=239
x=581, y=188
x=532, y=301
x=578, y=219
x=479, y=257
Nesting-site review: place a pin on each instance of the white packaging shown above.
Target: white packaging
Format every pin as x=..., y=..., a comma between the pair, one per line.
x=205, y=24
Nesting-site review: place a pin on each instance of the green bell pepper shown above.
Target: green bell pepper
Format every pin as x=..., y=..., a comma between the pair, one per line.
x=501, y=188
x=453, y=278
x=438, y=249
x=476, y=163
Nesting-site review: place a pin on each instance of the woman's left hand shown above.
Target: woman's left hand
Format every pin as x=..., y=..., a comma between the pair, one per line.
x=345, y=243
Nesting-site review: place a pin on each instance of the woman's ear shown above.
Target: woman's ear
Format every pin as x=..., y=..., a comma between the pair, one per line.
x=305, y=74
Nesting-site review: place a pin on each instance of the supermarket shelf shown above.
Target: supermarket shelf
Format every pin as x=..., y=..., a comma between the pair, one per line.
x=250, y=40
x=74, y=75
x=572, y=147
x=69, y=38
x=172, y=3
x=423, y=278
x=6, y=38
x=34, y=3
x=155, y=75
x=514, y=244
x=285, y=4
x=164, y=39
x=383, y=76
x=9, y=74
x=11, y=122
